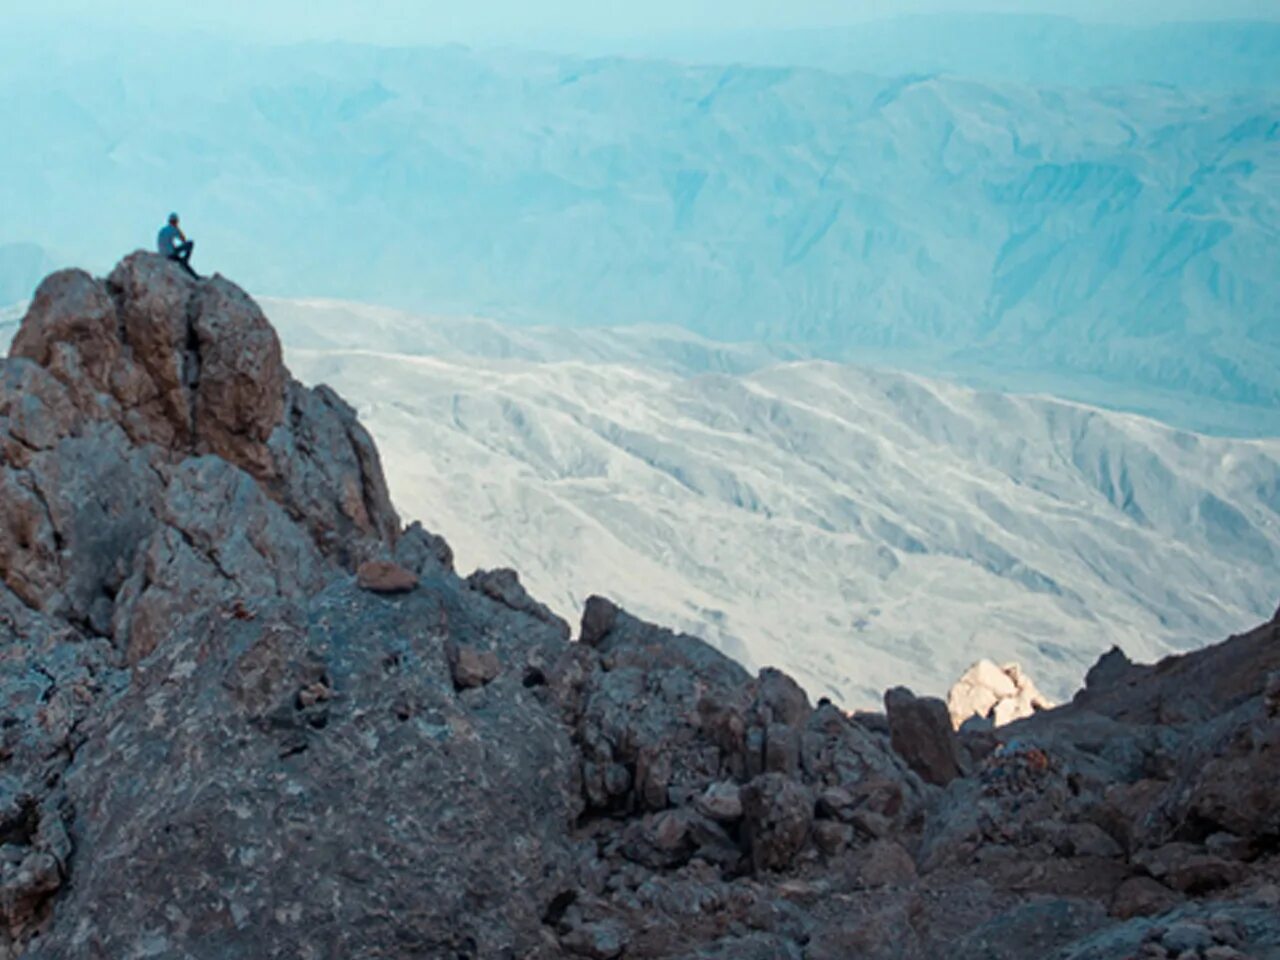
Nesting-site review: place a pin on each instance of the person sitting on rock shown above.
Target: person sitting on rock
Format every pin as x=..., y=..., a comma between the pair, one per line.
x=173, y=244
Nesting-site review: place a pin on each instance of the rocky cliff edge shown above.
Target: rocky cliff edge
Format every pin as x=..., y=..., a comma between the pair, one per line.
x=244, y=714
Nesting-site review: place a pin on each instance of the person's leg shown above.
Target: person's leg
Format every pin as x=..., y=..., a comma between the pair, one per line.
x=182, y=262
x=182, y=253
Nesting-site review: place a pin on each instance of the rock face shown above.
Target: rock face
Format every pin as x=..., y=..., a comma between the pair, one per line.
x=245, y=715
x=921, y=732
x=999, y=695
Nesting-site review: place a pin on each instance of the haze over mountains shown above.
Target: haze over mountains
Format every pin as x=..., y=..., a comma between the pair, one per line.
x=1051, y=51
x=1118, y=238
x=851, y=526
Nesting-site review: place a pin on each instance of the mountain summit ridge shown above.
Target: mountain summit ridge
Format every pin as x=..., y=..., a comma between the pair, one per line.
x=216, y=743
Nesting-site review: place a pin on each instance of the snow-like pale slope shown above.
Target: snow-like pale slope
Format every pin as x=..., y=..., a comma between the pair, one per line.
x=858, y=528
x=1127, y=234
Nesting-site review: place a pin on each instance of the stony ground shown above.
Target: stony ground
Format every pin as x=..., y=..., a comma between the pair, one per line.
x=244, y=714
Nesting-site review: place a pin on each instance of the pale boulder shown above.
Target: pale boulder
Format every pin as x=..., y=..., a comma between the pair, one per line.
x=991, y=692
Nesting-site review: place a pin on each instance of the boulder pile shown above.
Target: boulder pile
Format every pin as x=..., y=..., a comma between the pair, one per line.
x=988, y=695
x=243, y=713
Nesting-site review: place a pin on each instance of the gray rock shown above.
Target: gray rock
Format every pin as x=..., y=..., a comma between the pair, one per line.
x=1142, y=897
x=598, y=941
x=504, y=586
x=721, y=801
x=471, y=667
x=423, y=552
x=383, y=576
x=921, y=732
x=777, y=816
x=885, y=863
x=1185, y=935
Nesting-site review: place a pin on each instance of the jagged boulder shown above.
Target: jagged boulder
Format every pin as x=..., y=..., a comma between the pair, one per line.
x=778, y=813
x=998, y=694
x=921, y=733
x=505, y=587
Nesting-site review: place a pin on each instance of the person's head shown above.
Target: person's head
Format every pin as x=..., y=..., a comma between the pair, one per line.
x=173, y=219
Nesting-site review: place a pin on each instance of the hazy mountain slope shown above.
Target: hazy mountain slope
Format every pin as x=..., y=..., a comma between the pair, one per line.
x=855, y=527
x=22, y=265
x=1127, y=234
x=1051, y=51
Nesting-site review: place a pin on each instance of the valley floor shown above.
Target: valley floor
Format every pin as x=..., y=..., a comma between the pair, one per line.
x=857, y=527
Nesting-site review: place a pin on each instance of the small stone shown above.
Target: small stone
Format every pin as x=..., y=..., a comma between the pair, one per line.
x=314, y=693
x=1226, y=930
x=1142, y=897
x=880, y=795
x=474, y=668
x=871, y=824
x=832, y=836
x=597, y=941
x=1090, y=840
x=1267, y=895
x=721, y=801
x=886, y=863
x=778, y=814
x=1227, y=846
x=668, y=831
x=1204, y=873
x=1183, y=935
x=835, y=803
x=712, y=843
x=598, y=618
x=781, y=749
x=385, y=577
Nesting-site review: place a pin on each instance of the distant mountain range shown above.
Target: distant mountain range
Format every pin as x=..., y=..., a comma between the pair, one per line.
x=1043, y=50
x=855, y=527
x=1117, y=241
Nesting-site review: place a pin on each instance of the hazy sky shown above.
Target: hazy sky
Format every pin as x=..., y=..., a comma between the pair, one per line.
x=503, y=21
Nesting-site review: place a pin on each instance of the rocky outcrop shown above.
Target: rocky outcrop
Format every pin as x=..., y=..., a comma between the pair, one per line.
x=244, y=715
x=132, y=411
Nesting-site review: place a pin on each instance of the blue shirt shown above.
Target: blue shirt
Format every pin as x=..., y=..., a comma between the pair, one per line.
x=168, y=239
